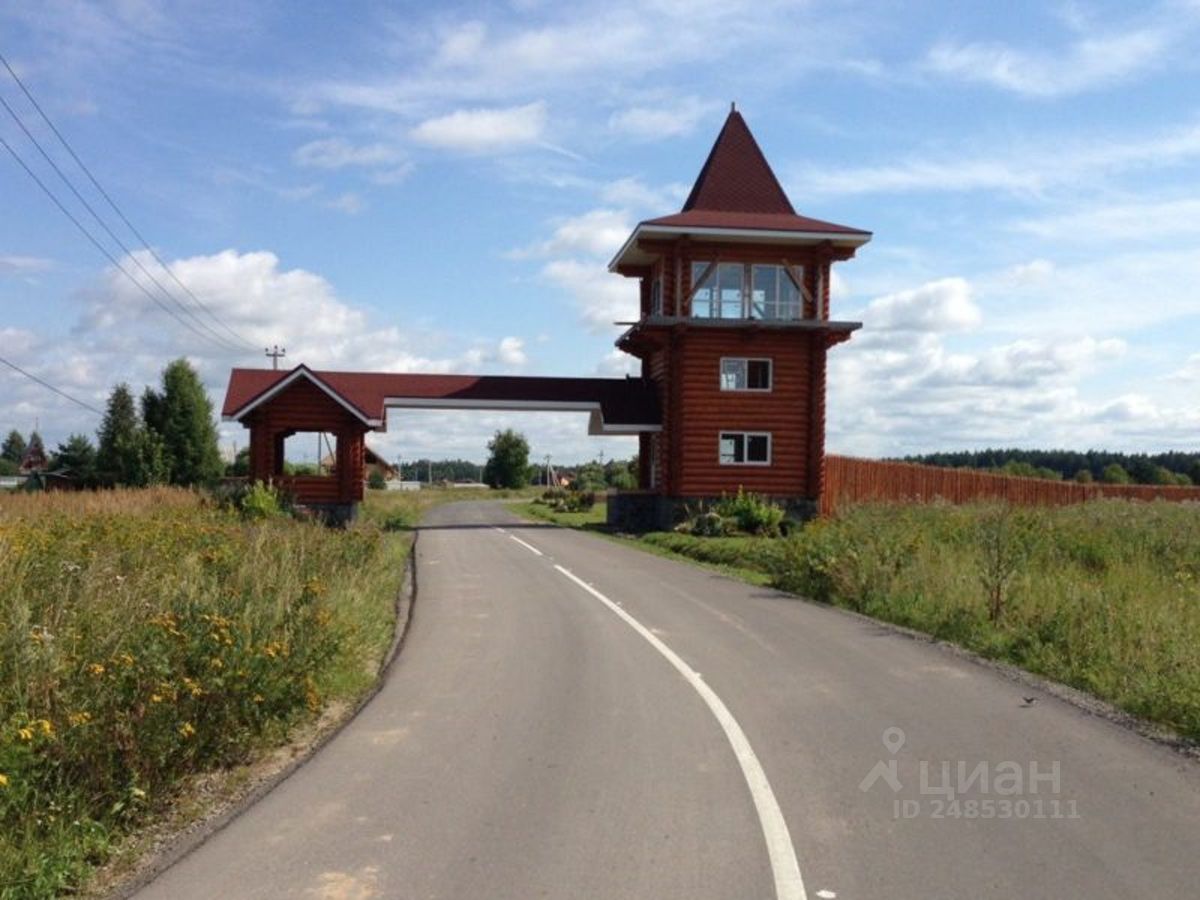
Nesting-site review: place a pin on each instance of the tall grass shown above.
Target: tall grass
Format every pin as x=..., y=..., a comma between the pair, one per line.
x=1104, y=596
x=149, y=635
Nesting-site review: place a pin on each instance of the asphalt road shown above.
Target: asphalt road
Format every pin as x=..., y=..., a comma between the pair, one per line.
x=537, y=739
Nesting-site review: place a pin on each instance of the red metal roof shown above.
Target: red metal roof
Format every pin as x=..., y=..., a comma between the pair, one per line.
x=737, y=189
x=736, y=177
x=621, y=402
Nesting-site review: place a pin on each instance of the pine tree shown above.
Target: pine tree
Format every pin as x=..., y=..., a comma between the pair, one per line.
x=127, y=453
x=77, y=457
x=13, y=447
x=181, y=416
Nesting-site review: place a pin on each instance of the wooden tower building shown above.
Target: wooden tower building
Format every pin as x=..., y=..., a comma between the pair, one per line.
x=733, y=331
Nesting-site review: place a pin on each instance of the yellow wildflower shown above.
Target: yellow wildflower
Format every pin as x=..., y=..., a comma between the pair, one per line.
x=25, y=734
x=193, y=687
x=186, y=730
x=156, y=698
x=95, y=669
x=3, y=780
x=216, y=663
x=258, y=698
x=79, y=718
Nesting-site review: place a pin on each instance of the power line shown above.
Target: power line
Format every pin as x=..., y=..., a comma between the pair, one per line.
x=128, y=253
x=51, y=387
x=112, y=203
x=92, y=239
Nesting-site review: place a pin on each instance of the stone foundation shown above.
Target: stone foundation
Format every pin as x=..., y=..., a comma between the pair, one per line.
x=638, y=511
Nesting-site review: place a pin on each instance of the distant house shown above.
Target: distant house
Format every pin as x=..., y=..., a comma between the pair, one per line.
x=34, y=460
x=372, y=462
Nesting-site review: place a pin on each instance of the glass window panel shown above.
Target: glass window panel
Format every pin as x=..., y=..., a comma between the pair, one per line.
x=758, y=374
x=729, y=286
x=790, y=305
x=732, y=448
x=757, y=448
x=763, y=296
x=733, y=374
x=702, y=300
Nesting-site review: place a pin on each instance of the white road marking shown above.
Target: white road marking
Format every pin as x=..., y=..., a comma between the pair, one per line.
x=789, y=885
x=529, y=547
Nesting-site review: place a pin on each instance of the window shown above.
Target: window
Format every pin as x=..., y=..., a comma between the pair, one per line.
x=739, y=374
x=745, y=448
x=745, y=291
x=656, y=299
x=774, y=294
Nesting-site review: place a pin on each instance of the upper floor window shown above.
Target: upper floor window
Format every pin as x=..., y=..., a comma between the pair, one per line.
x=656, y=297
x=774, y=295
x=740, y=374
x=730, y=290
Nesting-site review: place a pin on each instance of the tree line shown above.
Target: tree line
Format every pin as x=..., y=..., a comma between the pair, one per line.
x=168, y=437
x=1174, y=467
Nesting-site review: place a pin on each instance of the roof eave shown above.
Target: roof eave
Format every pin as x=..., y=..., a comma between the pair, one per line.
x=301, y=371
x=841, y=238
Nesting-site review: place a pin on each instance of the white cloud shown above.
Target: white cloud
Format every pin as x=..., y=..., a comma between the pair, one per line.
x=349, y=202
x=1030, y=272
x=901, y=386
x=587, y=50
x=1090, y=62
x=938, y=306
x=122, y=335
x=670, y=118
x=599, y=232
x=1189, y=372
x=1141, y=220
x=338, y=153
x=485, y=130
x=602, y=298
x=634, y=194
x=616, y=363
x=511, y=352
x=23, y=265
x=462, y=45
x=1020, y=169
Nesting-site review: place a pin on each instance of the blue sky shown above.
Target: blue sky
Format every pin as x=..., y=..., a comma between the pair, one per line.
x=438, y=187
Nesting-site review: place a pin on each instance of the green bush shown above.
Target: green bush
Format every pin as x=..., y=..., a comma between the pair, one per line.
x=752, y=513
x=376, y=481
x=261, y=501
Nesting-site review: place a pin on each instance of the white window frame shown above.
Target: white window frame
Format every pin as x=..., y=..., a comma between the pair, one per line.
x=747, y=360
x=745, y=435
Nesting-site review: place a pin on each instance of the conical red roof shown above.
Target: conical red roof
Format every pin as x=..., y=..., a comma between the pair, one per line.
x=736, y=176
x=737, y=190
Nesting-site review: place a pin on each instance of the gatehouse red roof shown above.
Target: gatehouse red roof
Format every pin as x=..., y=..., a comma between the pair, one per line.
x=618, y=404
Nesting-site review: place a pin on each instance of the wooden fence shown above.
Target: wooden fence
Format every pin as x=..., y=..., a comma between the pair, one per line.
x=849, y=480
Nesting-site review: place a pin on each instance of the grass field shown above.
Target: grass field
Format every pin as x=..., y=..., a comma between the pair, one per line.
x=146, y=636
x=1103, y=596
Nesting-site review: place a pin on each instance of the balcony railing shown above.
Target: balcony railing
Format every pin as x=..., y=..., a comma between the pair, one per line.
x=738, y=307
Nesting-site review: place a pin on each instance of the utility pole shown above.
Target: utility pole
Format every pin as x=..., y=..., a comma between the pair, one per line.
x=429, y=472
x=275, y=352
